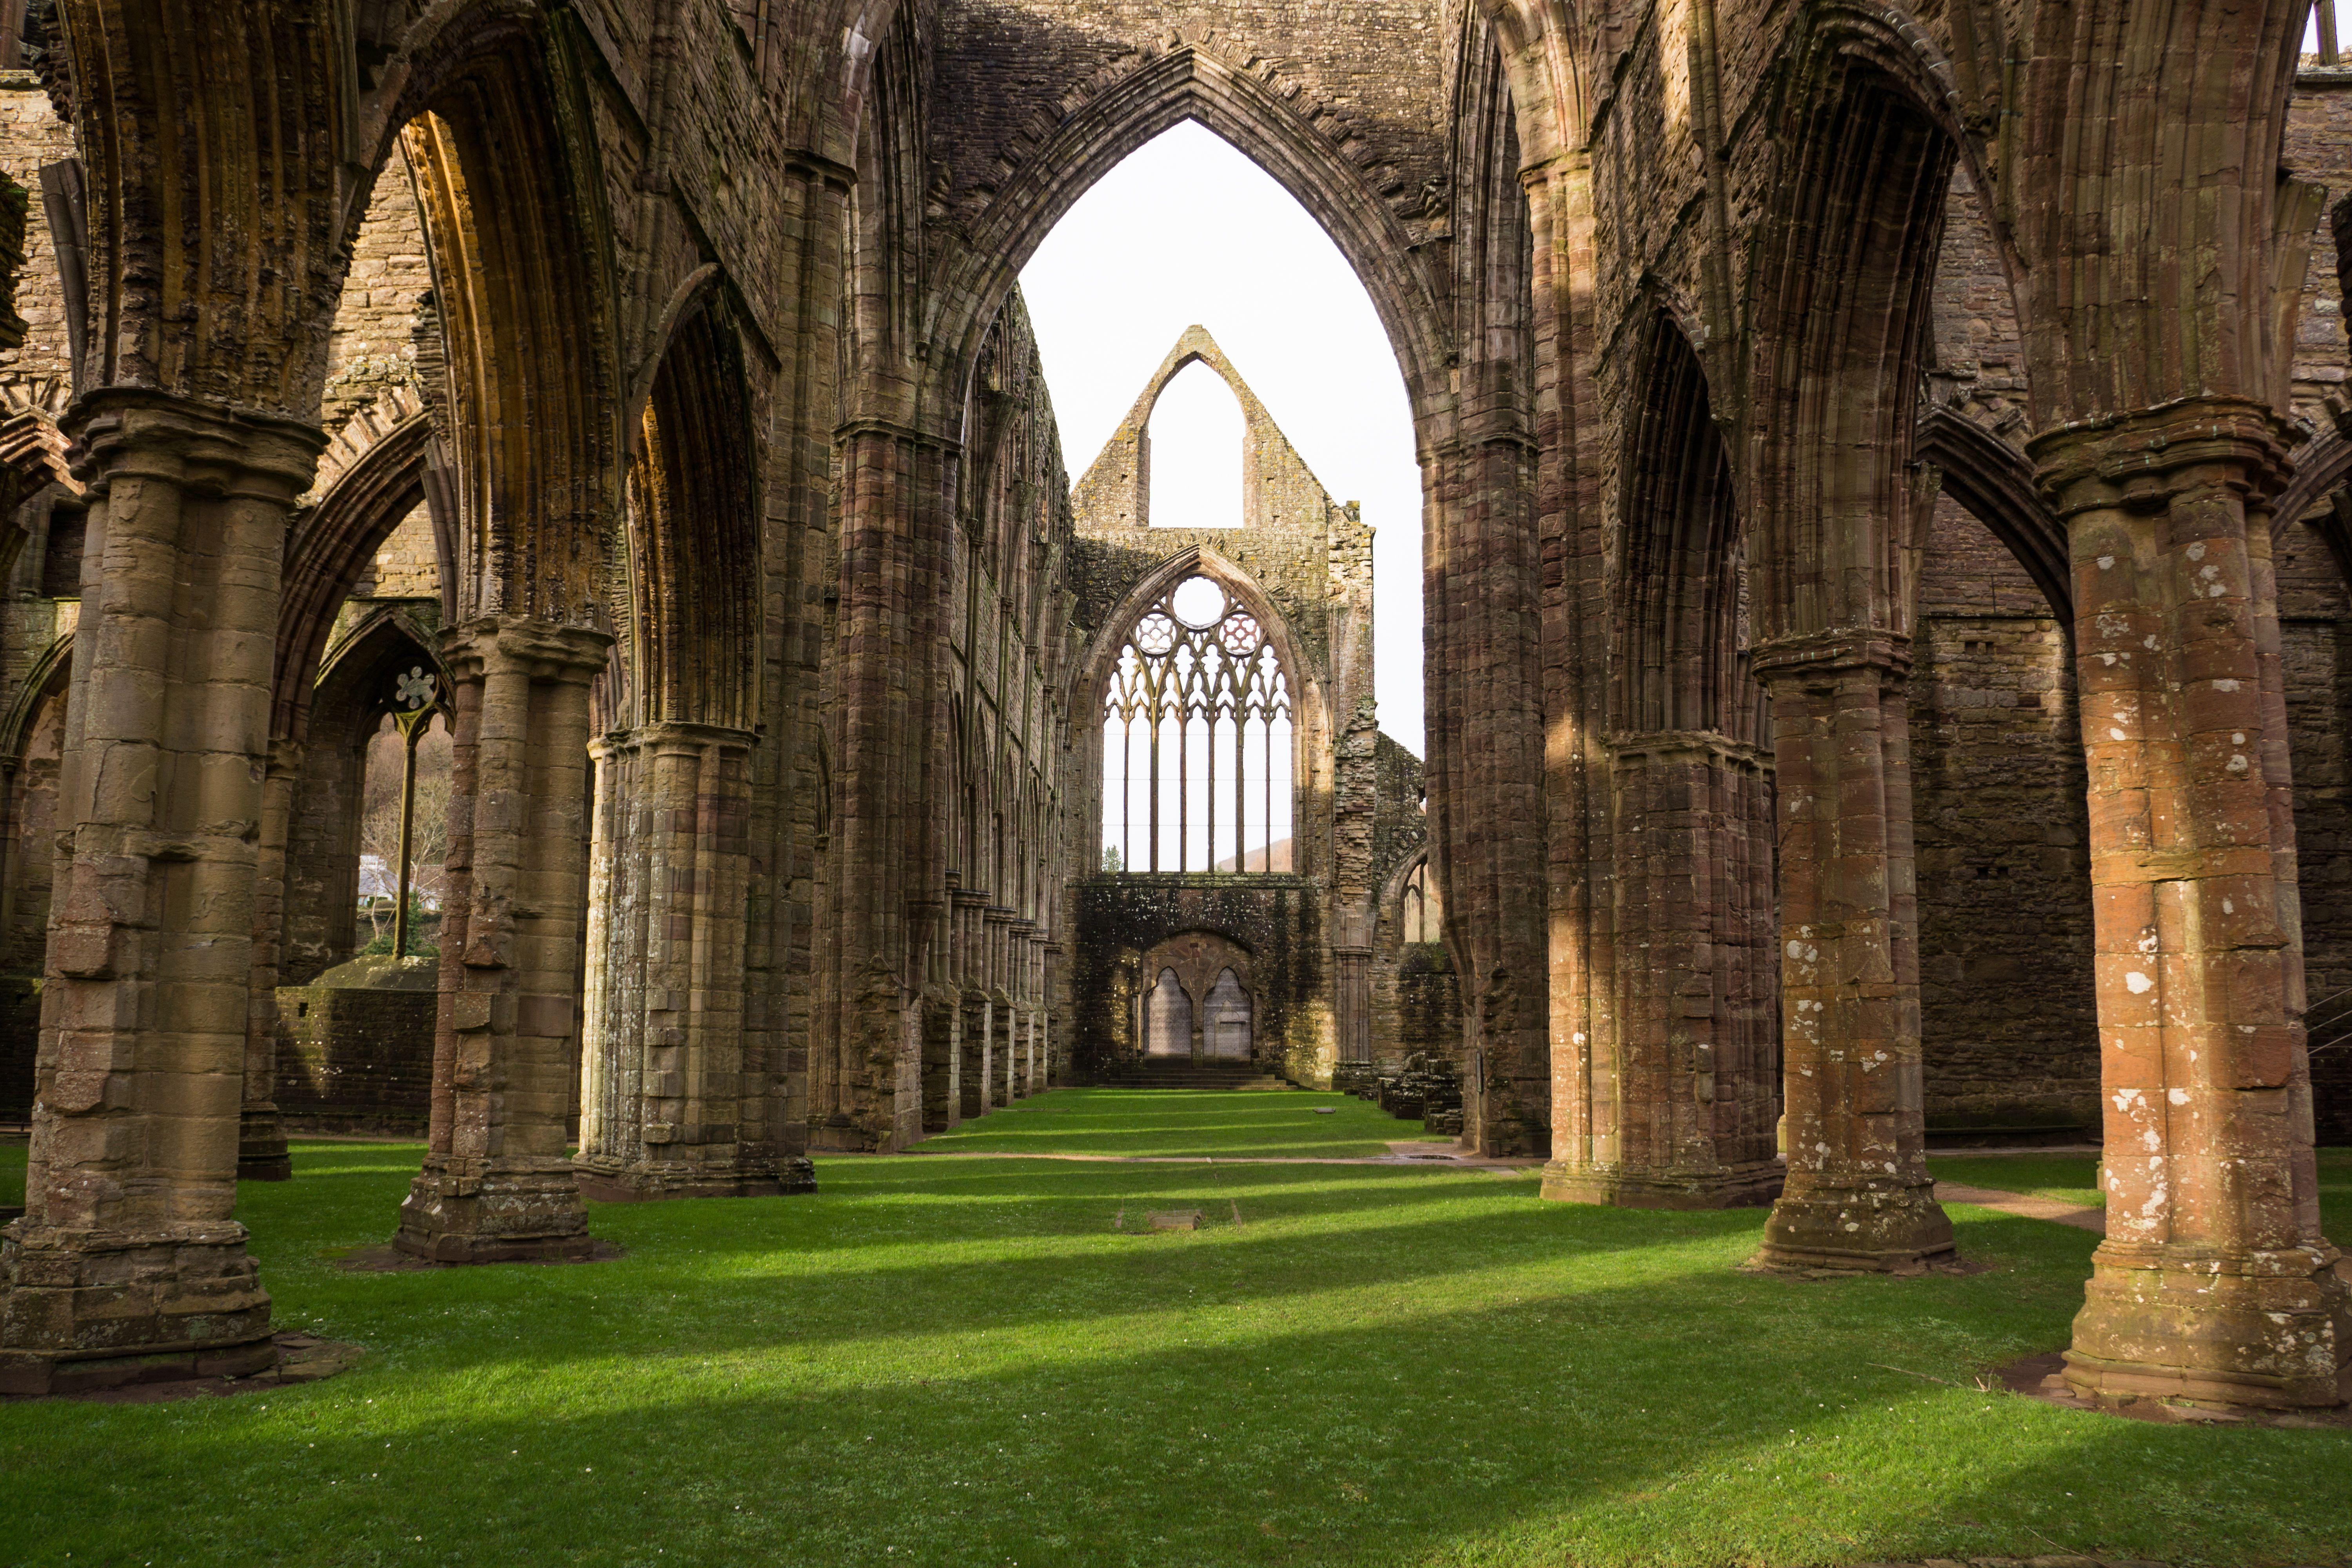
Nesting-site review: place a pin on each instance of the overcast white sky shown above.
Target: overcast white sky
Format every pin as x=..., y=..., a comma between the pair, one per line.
x=1189, y=230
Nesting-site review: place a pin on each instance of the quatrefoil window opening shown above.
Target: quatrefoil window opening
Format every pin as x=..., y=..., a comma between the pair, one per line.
x=415, y=689
x=1197, y=740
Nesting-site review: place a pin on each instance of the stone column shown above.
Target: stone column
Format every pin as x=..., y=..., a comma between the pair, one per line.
x=667, y=1109
x=1351, y=984
x=1858, y=1195
x=497, y=1186
x=973, y=1033
x=261, y=1139
x=1675, y=1108
x=999, y=948
x=1028, y=945
x=126, y=1263
x=2214, y=1282
x=942, y=1058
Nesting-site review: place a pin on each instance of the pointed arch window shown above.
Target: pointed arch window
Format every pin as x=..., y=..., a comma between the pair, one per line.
x=1197, y=740
x=1421, y=912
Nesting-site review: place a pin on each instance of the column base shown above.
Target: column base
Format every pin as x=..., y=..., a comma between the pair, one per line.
x=261, y=1146
x=611, y=1182
x=1885, y=1229
x=494, y=1210
x=2267, y=1329
x=86, y=1309
x=1726, y=1187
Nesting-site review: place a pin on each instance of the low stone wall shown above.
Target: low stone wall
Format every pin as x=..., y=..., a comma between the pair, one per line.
x=20, y=1031
x=358, y=1058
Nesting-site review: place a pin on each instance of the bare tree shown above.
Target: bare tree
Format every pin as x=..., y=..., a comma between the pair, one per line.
x=429, y=832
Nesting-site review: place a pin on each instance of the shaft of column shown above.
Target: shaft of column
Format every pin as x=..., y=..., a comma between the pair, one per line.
x=1858, y=1195
x=668, y=930
x=1677, y=1112
x=2214, y=1283
x=497, y=1186
x=127, y=1263
x=261, y=1137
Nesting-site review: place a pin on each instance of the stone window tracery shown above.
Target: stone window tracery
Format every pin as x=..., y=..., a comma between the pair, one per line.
x=1197, y=740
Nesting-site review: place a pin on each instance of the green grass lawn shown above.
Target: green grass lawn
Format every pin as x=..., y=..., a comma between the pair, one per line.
x=1171, y=1121
x=950, y=1362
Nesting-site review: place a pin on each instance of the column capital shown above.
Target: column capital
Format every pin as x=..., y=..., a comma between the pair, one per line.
x=1687, y=745
x=2139, y=460
x=192, y=442
x=545, y=650
x=672, y=734
x=1814, y=656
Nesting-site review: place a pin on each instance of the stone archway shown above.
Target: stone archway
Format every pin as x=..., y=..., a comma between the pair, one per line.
x=1202, y=980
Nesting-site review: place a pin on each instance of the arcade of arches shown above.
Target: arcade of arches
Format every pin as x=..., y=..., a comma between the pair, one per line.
x=1888, y=653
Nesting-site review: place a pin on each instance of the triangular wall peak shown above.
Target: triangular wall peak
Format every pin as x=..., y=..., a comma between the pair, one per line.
x=1279, y=491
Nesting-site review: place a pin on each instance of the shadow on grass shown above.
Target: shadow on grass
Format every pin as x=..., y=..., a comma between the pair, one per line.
x=1600, y=1410
x=1492, y=1380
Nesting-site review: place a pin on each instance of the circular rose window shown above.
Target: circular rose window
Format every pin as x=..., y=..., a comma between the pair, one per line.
x=1155, y=633
x=1198, y=603
x=1241, y=634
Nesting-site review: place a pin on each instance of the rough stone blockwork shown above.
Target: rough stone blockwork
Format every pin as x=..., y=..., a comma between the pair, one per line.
x=1884, y=552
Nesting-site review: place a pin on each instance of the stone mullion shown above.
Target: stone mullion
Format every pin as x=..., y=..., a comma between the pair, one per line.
x=127, y=1261
x=261, y=1137
x=496, y=1185
x=1858, y=1195
x=2214, y=1281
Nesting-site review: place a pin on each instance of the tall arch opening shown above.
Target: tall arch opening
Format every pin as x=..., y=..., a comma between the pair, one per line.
x=1195, y=452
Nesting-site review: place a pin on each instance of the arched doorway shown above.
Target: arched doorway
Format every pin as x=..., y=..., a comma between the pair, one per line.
x=1167, y=1018
x=1225, y=1019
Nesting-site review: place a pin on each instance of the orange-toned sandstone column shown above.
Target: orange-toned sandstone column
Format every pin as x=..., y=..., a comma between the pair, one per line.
x=496, y=1185
x=2214, y=1282
x=1858, y=1195
x=127, y=1263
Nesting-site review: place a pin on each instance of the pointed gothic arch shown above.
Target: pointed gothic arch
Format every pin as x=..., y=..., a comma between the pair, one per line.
x=1191, y=82
x=1682, y=582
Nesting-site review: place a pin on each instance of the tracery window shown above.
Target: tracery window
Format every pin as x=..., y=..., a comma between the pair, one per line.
x=1197, y=740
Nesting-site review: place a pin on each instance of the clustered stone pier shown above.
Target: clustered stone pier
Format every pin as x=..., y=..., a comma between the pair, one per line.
x=1887, y=570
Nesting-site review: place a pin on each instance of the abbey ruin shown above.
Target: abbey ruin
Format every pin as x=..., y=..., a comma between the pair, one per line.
x=1887, y=542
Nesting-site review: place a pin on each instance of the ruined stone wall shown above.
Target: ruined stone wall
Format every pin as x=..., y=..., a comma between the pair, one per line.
x=2319, y=149
x=1978, y=362
x=2008, y=1017
x=387, y=313
x=1277, y=919
x=39, y=372
x=355, y=1061
x=1368, y=75
x=2315, y=644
